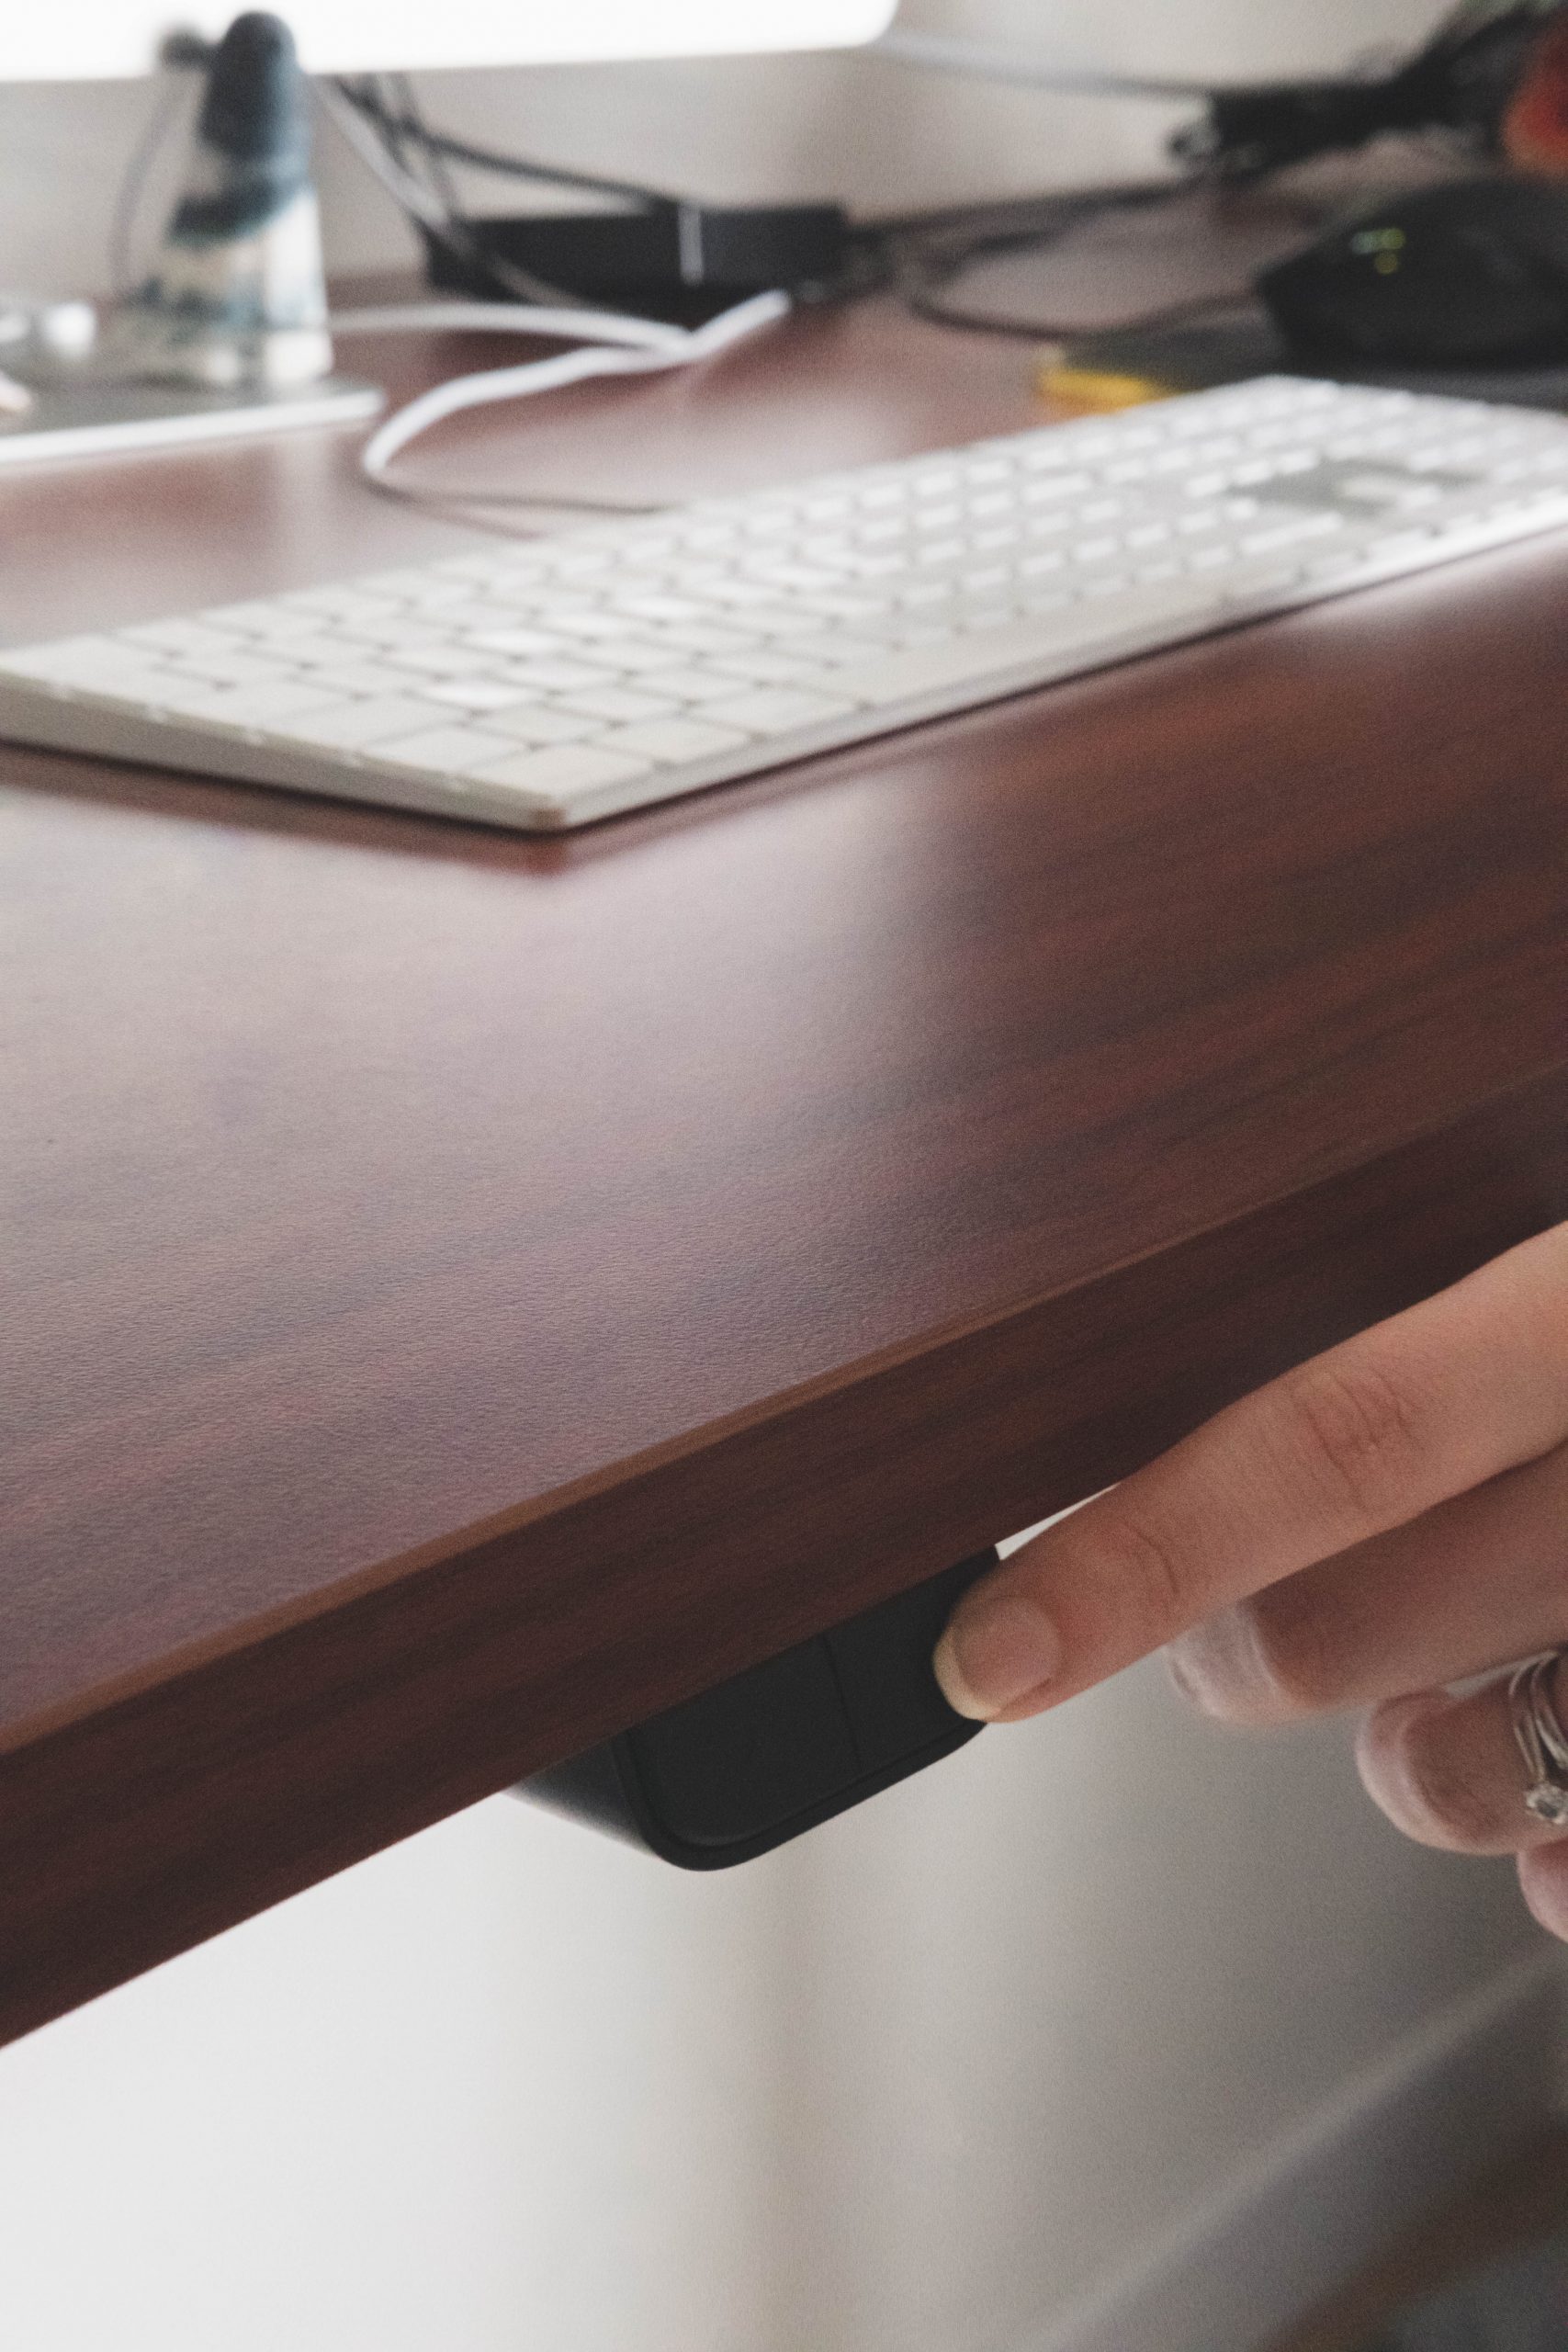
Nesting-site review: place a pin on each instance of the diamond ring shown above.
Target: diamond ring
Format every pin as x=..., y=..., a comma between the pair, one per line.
x=1543, y=1742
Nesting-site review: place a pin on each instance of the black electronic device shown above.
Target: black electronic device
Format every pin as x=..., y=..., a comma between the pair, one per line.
x=670, y=258
x=1474, y=272
x=776, y=1750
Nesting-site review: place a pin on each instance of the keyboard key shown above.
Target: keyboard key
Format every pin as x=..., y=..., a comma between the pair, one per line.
x=762, y=669
x=619, y=702
x=354, y=725
x=441, y=750
x=697, y=685
x=1059, y=639
x=708, y=637
x=259, y=619
x=521, y=642
x=261, y=708
x=1286, y=534
x=633, y=658
x=358, y=678
x=283, y=632
x=778, y=710
x=835, y=648
x=439, y=660
x=587, y=625
x=169, y=689
x=559, y=677
x=769, y=621
x=741, y=599
x=327, y=649
x=671, y=742
x=474, y=694
x=540, y=723
x=85, y=662
x=405, y=636
x=462, y=620
x=342, y=604
x=235, y=669
x=561, y=774
x=184, y=639
x=659, y=609
x=794, y=575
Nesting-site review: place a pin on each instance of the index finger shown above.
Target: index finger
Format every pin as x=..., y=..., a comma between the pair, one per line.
x=1394, y=1421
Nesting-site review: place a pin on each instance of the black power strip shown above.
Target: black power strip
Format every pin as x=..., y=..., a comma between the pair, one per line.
x=683, y=262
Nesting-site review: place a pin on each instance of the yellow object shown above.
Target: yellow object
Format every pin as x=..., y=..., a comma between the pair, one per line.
x=1093, y=391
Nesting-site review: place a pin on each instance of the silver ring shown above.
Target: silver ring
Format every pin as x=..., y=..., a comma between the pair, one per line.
x=1543, y=1742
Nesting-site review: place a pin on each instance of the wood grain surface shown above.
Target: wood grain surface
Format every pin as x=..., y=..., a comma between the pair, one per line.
x=460, y=1294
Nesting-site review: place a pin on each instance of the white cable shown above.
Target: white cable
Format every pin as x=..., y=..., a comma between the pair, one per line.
x=512, y=318
x=491, y=384
x=609, y=343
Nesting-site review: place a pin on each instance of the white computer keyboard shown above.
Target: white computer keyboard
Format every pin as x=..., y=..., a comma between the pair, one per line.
x=549, y=683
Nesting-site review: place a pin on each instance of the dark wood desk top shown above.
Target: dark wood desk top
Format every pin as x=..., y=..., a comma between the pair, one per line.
x=460, y=1294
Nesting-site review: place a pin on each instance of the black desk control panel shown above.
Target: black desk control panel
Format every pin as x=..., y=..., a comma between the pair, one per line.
x=728, y=1776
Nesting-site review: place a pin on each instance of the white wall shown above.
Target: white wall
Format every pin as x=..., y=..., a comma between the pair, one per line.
x=877, y=134
x=917, y=2086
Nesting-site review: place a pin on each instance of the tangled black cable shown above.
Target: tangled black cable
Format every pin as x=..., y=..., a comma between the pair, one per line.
x=929, y=256
x=401, y=117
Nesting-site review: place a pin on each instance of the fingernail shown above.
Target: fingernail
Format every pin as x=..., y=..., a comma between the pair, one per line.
x=996, y=1648
x=1543, y=1878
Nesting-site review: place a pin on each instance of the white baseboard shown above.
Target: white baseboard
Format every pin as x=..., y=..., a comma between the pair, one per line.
x=1312, y=2206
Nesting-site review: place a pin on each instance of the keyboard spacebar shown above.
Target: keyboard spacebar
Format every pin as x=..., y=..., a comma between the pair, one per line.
x=1053, y=644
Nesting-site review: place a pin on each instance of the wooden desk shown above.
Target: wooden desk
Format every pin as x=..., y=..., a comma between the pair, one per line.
x=461, y=1295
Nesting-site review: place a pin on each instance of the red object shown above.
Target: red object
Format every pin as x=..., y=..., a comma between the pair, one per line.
x=1535, y=128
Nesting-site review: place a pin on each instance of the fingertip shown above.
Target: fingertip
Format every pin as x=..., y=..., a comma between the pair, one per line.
x=1382, y=1726
x=999, y=1650
x=954, y=1687
x=1543, y=1882
x=1217, y=1669
x=1385, y=1761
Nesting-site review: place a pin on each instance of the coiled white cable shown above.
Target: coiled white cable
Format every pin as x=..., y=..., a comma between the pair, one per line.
x=608, y=344
x=465, y=317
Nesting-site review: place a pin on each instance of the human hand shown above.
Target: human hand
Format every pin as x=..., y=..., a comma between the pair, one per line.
x=1387, y=1519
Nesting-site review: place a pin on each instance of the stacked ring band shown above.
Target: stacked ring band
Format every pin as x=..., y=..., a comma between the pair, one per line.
x=1543, y=1742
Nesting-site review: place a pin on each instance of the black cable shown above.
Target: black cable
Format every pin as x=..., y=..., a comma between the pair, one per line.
x=926, y=260
x=488, y=159
x=918, y=254
x=454, y=233
x=1001, y=216
x=1168, y=314
x=441, y=178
